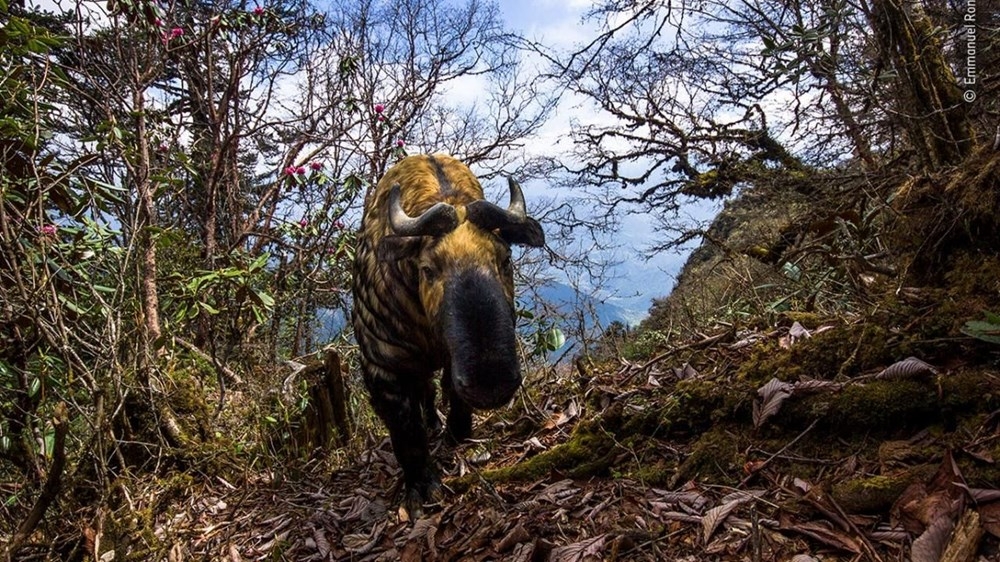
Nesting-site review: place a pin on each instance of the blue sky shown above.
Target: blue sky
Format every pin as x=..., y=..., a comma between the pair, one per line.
x=559, y=24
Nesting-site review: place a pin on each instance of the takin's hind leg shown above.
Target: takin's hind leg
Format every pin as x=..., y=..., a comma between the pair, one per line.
x=459, y=413
x=431, y=419
x=401, y=408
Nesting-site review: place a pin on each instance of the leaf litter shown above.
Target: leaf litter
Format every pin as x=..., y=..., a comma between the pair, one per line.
x=759, y=512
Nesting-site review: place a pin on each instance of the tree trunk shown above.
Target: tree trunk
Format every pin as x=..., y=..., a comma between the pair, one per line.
x=929, y=105
x=145, y=221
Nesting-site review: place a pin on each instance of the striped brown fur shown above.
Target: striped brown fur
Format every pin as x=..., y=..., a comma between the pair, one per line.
x=443, y=301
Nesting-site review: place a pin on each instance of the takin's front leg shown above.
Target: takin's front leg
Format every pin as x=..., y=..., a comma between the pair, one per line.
x=400, y=402
x=459, y=413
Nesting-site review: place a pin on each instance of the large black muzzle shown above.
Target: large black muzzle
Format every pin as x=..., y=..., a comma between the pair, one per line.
x=478, y=326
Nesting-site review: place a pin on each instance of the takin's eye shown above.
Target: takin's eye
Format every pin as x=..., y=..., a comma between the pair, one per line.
x=428, y=273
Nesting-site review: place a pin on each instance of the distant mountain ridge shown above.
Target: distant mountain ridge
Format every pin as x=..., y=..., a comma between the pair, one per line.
x=566, y=299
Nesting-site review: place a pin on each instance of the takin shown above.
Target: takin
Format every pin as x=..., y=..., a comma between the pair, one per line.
x=434, y=290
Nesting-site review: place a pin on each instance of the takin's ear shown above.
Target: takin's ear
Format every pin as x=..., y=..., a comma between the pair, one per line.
x=527, y=233
x=395, y=248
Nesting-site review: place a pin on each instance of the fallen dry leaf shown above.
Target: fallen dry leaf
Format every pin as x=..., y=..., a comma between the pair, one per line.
x=582, y=551
x=771, y=395
x=907, y=368
x=989, y=515
x=929, y=546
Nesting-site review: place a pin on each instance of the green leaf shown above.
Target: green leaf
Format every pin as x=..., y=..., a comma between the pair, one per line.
x=985, y=331
x=50, y=442
x=34, y=387
x=208, y=308
x=554, y=339
x=260, y=262
x=263, y=299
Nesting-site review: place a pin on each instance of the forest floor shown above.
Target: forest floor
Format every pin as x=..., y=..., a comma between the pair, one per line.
x=699, y=452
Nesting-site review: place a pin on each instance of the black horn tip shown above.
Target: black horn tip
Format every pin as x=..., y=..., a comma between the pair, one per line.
x=516, y=205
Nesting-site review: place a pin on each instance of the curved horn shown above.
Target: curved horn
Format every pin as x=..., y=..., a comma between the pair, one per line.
x=514, y=224
x=439, y=219
x=516, y=205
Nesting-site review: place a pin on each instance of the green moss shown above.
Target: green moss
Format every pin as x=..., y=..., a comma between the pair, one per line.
x=655, y=474
x=884, y=404
x=872, y=495
x=131, y=532
x=842, y=351
x=587, y=453
x=715, y=456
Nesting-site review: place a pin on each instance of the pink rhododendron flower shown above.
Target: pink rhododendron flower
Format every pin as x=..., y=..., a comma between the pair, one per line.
x=303, y=222
x=400, y=143
x=300, y=170
x=316, y=165
x=49, y=229
x=158, y=22
x=257, y=11
x=290, y=171
x=379, y=108
x=176, y=32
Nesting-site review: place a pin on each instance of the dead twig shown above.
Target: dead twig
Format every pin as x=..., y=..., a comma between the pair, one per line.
x=706, y=342
x=50, y=489
x=777, y=453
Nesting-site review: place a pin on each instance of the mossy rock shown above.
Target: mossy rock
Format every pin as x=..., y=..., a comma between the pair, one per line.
x=716, y=456
x=842, y=351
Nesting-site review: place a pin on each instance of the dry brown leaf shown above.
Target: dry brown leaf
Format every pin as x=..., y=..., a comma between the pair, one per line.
x=989, y=515
x=555, y=420
x=980, y=495
x=824, y=533
x=479, y=455
x=582, y=551
x=929, y=546
x=907, y=368
x=534, y=444
x=691, y=499
x=715, y=516
x=572, y=410
x=423, y=527
x=810, y=386
x=363, y=543
x=514, y=537
x=772, y=395
x=804, y=558
x=685, y=372
x=322, y=544
x=798, y=332
x=921, y=505
x=523, y=553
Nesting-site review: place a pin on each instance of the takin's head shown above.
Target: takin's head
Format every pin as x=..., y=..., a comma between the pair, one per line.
x=466, y=285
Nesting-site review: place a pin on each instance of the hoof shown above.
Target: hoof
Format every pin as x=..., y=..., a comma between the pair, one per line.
x=418, y=498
